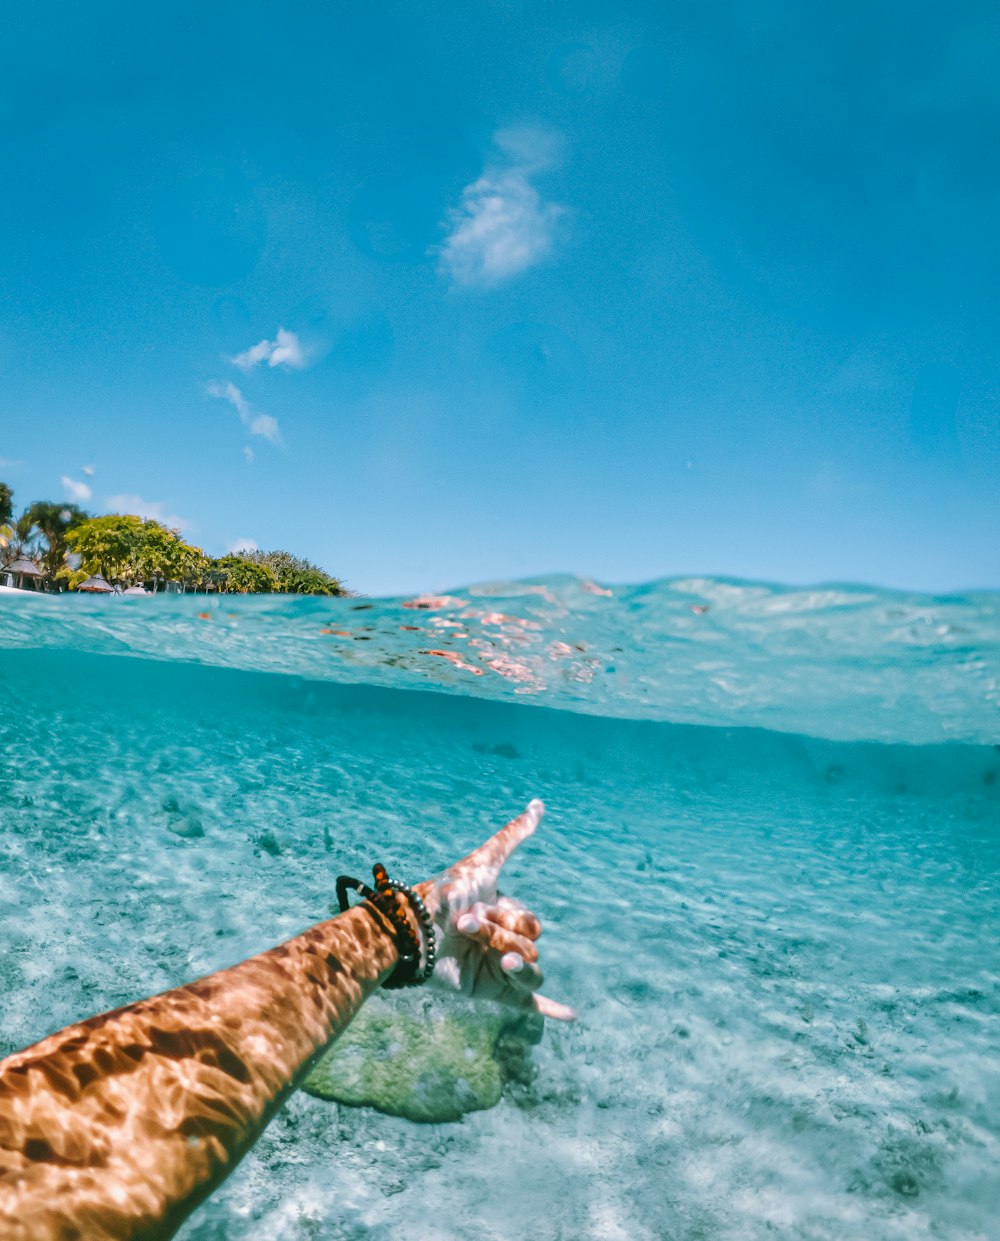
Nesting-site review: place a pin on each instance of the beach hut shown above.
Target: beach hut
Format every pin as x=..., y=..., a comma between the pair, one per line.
x=26, y=574
x=96, y=585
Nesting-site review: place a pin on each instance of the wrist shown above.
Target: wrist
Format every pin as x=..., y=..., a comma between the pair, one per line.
x=409, y=922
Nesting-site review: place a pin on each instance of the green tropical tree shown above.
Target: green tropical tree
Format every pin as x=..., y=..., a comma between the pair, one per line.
x=8, y=533
x=311, y=582
x=129, y=550
x=20, y=538
x=53, y=522
x=238, y=575
x=296, y=576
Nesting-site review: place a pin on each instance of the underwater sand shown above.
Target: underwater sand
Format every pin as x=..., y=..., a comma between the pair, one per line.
x=781, y=817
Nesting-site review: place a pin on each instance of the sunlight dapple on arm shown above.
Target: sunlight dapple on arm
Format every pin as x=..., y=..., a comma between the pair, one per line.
x=117, y=1127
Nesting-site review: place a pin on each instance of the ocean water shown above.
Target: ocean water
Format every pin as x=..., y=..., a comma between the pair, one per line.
x=780, y=809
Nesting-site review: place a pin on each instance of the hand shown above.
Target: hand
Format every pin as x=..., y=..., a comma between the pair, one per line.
x=486, y=942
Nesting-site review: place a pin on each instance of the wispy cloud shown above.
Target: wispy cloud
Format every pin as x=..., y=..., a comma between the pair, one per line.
x=285, y=350
x=257, y=424
x=138, y=507
x=89, y=471
x=242, y=545
x=503, y=226
x=76, y=491
x=7, y=464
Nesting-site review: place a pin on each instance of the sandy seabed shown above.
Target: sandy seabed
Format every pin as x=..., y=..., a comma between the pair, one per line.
x=782, y=949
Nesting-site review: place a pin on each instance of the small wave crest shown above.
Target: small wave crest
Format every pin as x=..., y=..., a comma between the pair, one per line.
x=842, y=662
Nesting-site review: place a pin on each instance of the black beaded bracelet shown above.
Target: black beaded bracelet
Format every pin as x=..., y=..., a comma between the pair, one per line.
x=385, y=898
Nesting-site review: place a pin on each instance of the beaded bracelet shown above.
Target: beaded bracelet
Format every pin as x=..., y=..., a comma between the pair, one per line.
x=386, y=899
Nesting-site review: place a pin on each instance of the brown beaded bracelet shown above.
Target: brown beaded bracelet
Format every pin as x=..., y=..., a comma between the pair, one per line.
x=386, y=899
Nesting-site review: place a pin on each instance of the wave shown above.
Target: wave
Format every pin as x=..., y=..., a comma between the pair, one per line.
x=841, y=662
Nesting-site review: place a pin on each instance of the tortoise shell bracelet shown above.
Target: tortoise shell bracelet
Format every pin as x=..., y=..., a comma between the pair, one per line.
x=387, y=897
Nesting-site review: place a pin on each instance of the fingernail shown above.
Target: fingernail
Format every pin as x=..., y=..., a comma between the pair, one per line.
x=468, y=924
x=511, y=963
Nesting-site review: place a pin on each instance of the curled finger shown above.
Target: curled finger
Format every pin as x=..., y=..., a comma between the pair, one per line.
x=515, y=917
x=477, y=925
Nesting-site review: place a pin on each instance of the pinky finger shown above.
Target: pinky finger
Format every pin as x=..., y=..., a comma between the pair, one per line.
x=552, y=1008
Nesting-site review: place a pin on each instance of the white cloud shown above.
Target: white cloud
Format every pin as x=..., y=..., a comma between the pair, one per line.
x=242, y=545
x=7, y=464
x=136, y=506
x=89, y=471
x=285, y=350
x=76, y=491
x=265, y=425
x=248, y=453
x=229, y=392
x=503, y=226
x=257, y=424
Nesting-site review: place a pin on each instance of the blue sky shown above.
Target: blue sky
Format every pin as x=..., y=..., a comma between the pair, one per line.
x=433, y=293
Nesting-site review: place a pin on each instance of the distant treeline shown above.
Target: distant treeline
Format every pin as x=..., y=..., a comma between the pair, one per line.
x=68, y=546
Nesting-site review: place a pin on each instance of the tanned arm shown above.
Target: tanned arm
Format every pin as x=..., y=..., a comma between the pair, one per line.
x=117, y=1127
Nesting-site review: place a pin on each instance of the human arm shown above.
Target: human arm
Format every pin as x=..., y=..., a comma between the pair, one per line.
x=117, y=1127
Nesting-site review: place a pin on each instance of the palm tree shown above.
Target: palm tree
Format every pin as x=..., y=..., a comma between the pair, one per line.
x=19, y=538
x=53, y=521
x=6, y=522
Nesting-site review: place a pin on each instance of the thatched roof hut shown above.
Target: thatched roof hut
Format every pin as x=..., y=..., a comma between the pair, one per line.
x=96, y=585
x=24, y=571
x=136, y=590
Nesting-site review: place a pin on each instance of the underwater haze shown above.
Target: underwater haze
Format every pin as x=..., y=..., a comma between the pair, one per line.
x=768, y=876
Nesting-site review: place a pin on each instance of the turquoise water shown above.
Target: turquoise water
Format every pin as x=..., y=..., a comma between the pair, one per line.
x=780, y=809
